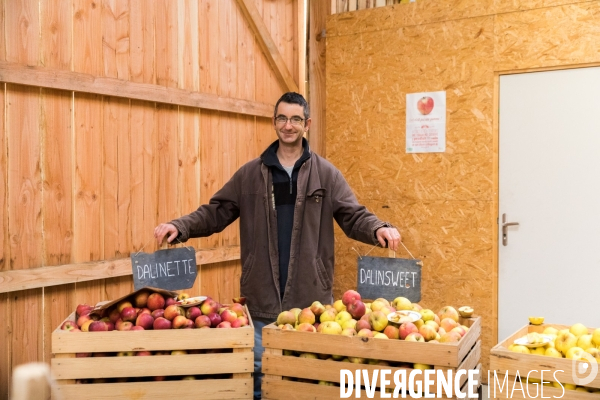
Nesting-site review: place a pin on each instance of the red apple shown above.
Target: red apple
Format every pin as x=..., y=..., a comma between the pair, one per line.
x=189, y=324
x=172, y=311
x=124, y=325
x=180, y=321
x=201, y=321
x=243, y=320
x=146, y=321
x=406, y=329
x=158, y=313
x=349, y=296
x=82, y=355
x=193, y=313
x=137, y=328
x=415, y=337
x=224, y=324
x=237, y=308
x=143, y=353
x=155, y=301
x=215, y=319
x=161, y=323
x=237, y=323
x=83, y=309
x=85, y=318
x=98, y=326
x=425, y=105
x=209, y=306
x=141, y=299
x=114, y=315
x=228, y=315
x=144, y=310
x=170, y=301
x=128, y=314
x=391, y=332
x=123, y=304
x=356, y=308
x=69, y=325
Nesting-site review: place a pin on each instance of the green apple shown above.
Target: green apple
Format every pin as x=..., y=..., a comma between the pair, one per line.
x=378, y=320
x=328, y=315
x=351, y=323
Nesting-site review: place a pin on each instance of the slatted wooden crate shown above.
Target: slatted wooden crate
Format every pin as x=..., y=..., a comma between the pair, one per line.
x=505, y=362
x=278, y=368
x=236, y=364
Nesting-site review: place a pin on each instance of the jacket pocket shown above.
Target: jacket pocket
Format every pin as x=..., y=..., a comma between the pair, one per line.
x=247, y=268
x=323, y=275
x=316, y=195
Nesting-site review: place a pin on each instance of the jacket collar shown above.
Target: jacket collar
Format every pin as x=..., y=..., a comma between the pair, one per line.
x=270, y=159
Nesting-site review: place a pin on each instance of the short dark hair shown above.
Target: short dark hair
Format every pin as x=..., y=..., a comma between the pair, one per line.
x=293, y=98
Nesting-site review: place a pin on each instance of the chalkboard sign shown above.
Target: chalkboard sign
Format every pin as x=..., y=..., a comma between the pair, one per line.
x=389, y=278
x=170, y=269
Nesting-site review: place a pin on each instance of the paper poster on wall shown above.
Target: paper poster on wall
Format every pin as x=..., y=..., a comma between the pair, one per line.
x=426, y=122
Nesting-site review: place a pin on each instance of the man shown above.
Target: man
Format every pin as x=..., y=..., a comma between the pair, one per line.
x=286, y=200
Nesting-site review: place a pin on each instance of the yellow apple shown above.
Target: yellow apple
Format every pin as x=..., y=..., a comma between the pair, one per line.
x=427, y=314
x=594, y=352
x=564, y=341
x=578, y=329
x=342, y=316
x=328, y=315
x=422, y=367
x=517, y=348
x=540, y=351
x=448, y=312
x=339, y=305
x=552, y=352
x=596, y=336
x=550, y=331
x=433, y=324
x=419, y=323
x=402, y=303
x=378, y=304
x=585, y=341
x=574, y=353
x=330, y=328
x=349, y=324
x=581, y=389
x=380, y=335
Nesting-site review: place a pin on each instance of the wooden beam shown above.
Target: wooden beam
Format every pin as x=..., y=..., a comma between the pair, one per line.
x=301, y=21
x=267, y=44
x=318, y=12
x=23, y=279
x=87, y=83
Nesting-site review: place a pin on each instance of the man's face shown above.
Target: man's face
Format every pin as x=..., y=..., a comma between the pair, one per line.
x=289, y=132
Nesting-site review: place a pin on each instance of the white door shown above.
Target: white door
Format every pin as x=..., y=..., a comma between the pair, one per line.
x=549, y=156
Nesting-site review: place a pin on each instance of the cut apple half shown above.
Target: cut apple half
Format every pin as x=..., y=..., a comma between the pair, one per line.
x=402, y=316
x=465, y=311
x=192, y=301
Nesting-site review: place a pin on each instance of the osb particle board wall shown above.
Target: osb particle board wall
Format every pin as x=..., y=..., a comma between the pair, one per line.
x=445, y=204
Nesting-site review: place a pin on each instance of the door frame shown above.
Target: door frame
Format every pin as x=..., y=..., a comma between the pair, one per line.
x=496, y=175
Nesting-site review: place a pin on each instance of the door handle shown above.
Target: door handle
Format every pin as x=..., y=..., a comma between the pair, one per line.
x=505, y=226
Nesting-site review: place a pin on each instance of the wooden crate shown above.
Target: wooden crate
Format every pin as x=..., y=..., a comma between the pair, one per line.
x=237, y=363
x=505, y=362
x=454, y=356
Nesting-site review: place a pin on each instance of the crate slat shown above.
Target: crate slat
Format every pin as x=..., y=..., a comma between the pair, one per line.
x=504, y=361
x=446, y=355
x=328, y=370
x=280, y=389
x=159, y=365
x=207, y=389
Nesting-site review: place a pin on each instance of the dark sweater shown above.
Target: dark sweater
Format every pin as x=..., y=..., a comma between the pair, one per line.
x=284, y=192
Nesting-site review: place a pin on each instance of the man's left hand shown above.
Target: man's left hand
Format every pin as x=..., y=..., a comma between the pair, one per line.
x=391, y=235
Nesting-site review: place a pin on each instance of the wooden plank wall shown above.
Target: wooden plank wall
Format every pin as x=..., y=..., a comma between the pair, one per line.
x=444, y=204
x=86, y=176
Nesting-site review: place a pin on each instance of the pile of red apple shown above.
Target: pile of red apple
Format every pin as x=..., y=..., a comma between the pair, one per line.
x=350, y=316
x=151, y=310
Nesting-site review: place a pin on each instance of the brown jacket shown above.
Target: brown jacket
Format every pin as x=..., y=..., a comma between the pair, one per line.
x=323, y=195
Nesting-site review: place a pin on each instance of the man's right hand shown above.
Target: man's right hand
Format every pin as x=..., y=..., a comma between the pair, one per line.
x=163, y=230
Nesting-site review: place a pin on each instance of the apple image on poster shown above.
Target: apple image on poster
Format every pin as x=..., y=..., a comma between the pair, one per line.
x=425, y=105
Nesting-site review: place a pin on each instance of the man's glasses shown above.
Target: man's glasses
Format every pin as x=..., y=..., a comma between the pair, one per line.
x=295, y=120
